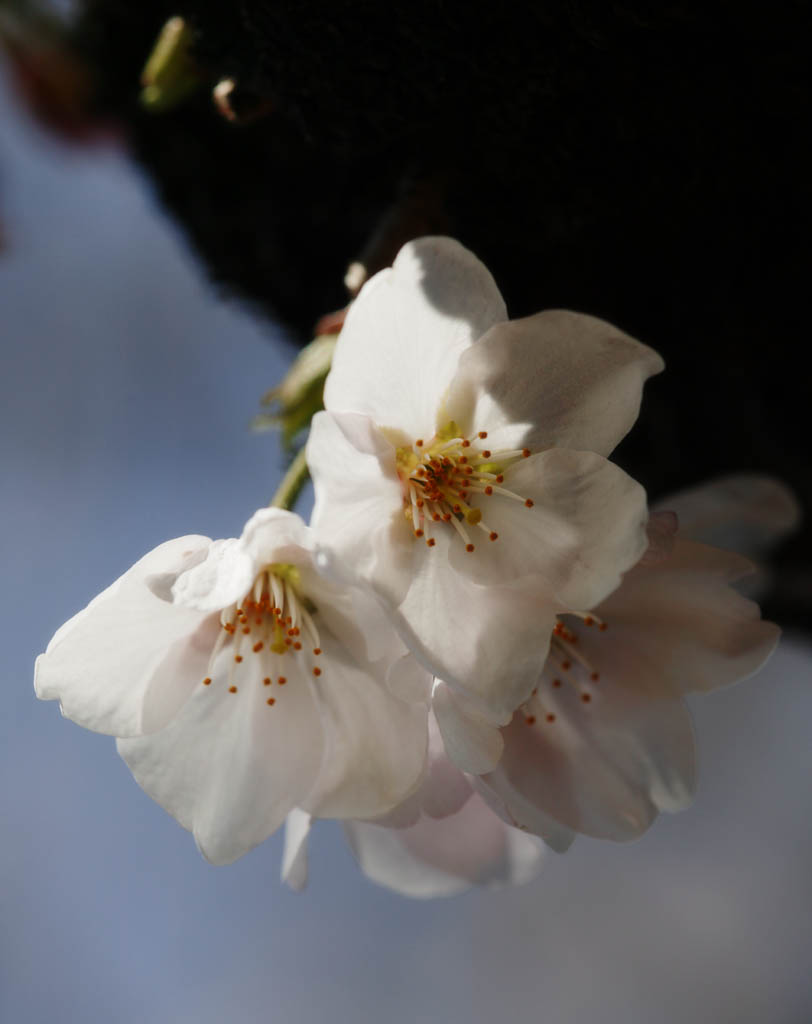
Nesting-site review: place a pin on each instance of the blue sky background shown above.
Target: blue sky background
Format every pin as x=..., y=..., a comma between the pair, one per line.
x=126, y=388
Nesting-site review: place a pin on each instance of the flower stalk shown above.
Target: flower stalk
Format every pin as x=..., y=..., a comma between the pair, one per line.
x=292, y=483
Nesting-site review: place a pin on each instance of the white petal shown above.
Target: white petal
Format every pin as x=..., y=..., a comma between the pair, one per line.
x=409, y=680
x=358, y=511
x=586, y=528
x=678, y=626
x=375, y=744
x=446, y=856
x=294, y=858
x=403, y=335
x=127, y=662
x=746, y=512
x=489, y=642
x=554, y=379
x=604, y=769
x=472, y=743
x=227, y=574
x=230, y=767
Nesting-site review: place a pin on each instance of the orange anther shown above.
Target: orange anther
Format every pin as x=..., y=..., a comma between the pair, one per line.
x=493, y=535
x=281, y=680
x=266, y=681
x=238, y=658
x=500, y=479
x=317, y=671
x=526, y=453
x=418, y=532
x=419, y=442
x=271, y=701
x=585, y=697
x=317, y=650
x=557, y=684
x=531, y=719
x=466, y=443
x=489, y=489
x=482, y=435
x=486, y=454
x=551, y=717
x=528, y=502
x=431, y=542
x=207, y=681
x=297, y=646
x=232, y=689
x=258, y=646
x=469, y=548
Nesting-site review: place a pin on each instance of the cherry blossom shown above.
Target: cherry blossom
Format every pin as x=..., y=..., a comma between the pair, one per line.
x=460, y=467
x=240, y=684
x=605, y=741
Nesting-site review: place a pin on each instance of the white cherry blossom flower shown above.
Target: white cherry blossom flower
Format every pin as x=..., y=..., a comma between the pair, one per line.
x=442, y=840
x=241, y=684
x=605, y=741
x=460, y=467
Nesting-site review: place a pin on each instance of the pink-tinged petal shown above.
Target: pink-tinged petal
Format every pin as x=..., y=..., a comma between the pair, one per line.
x=403, y=335
x=586, y=527
x=554, y=379
x=604, y=769
x=747, y=513
x=523, y=816
x=472, y=742
x=442, y=857
x=294, y=858
x=375, y=744
x=678, y=626
x=488, y=642
x=127, y=662
x=230, y=766
x=358, y=511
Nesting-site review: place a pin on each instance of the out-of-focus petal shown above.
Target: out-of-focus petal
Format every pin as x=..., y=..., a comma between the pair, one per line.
x=404, y=334
x=678, y=626
x=442, y=857
x=745, y=512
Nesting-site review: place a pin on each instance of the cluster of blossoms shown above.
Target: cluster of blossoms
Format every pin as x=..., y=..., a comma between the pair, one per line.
x=481, y=642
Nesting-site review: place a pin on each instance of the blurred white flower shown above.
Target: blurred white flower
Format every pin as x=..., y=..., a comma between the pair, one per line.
x=460, y=467
x=441, y=841
x=605, y=741
x=241, y=685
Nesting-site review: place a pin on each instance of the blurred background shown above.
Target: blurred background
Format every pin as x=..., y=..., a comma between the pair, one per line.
x=128, y=386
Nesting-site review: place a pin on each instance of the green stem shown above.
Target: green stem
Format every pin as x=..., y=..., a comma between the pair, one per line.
x=292, y=482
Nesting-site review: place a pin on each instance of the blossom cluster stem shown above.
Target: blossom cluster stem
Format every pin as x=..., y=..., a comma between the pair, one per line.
x=292, y=483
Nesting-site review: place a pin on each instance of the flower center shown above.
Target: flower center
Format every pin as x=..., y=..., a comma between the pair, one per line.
x=449, y=479
x=566, y=665
x=274, y=623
